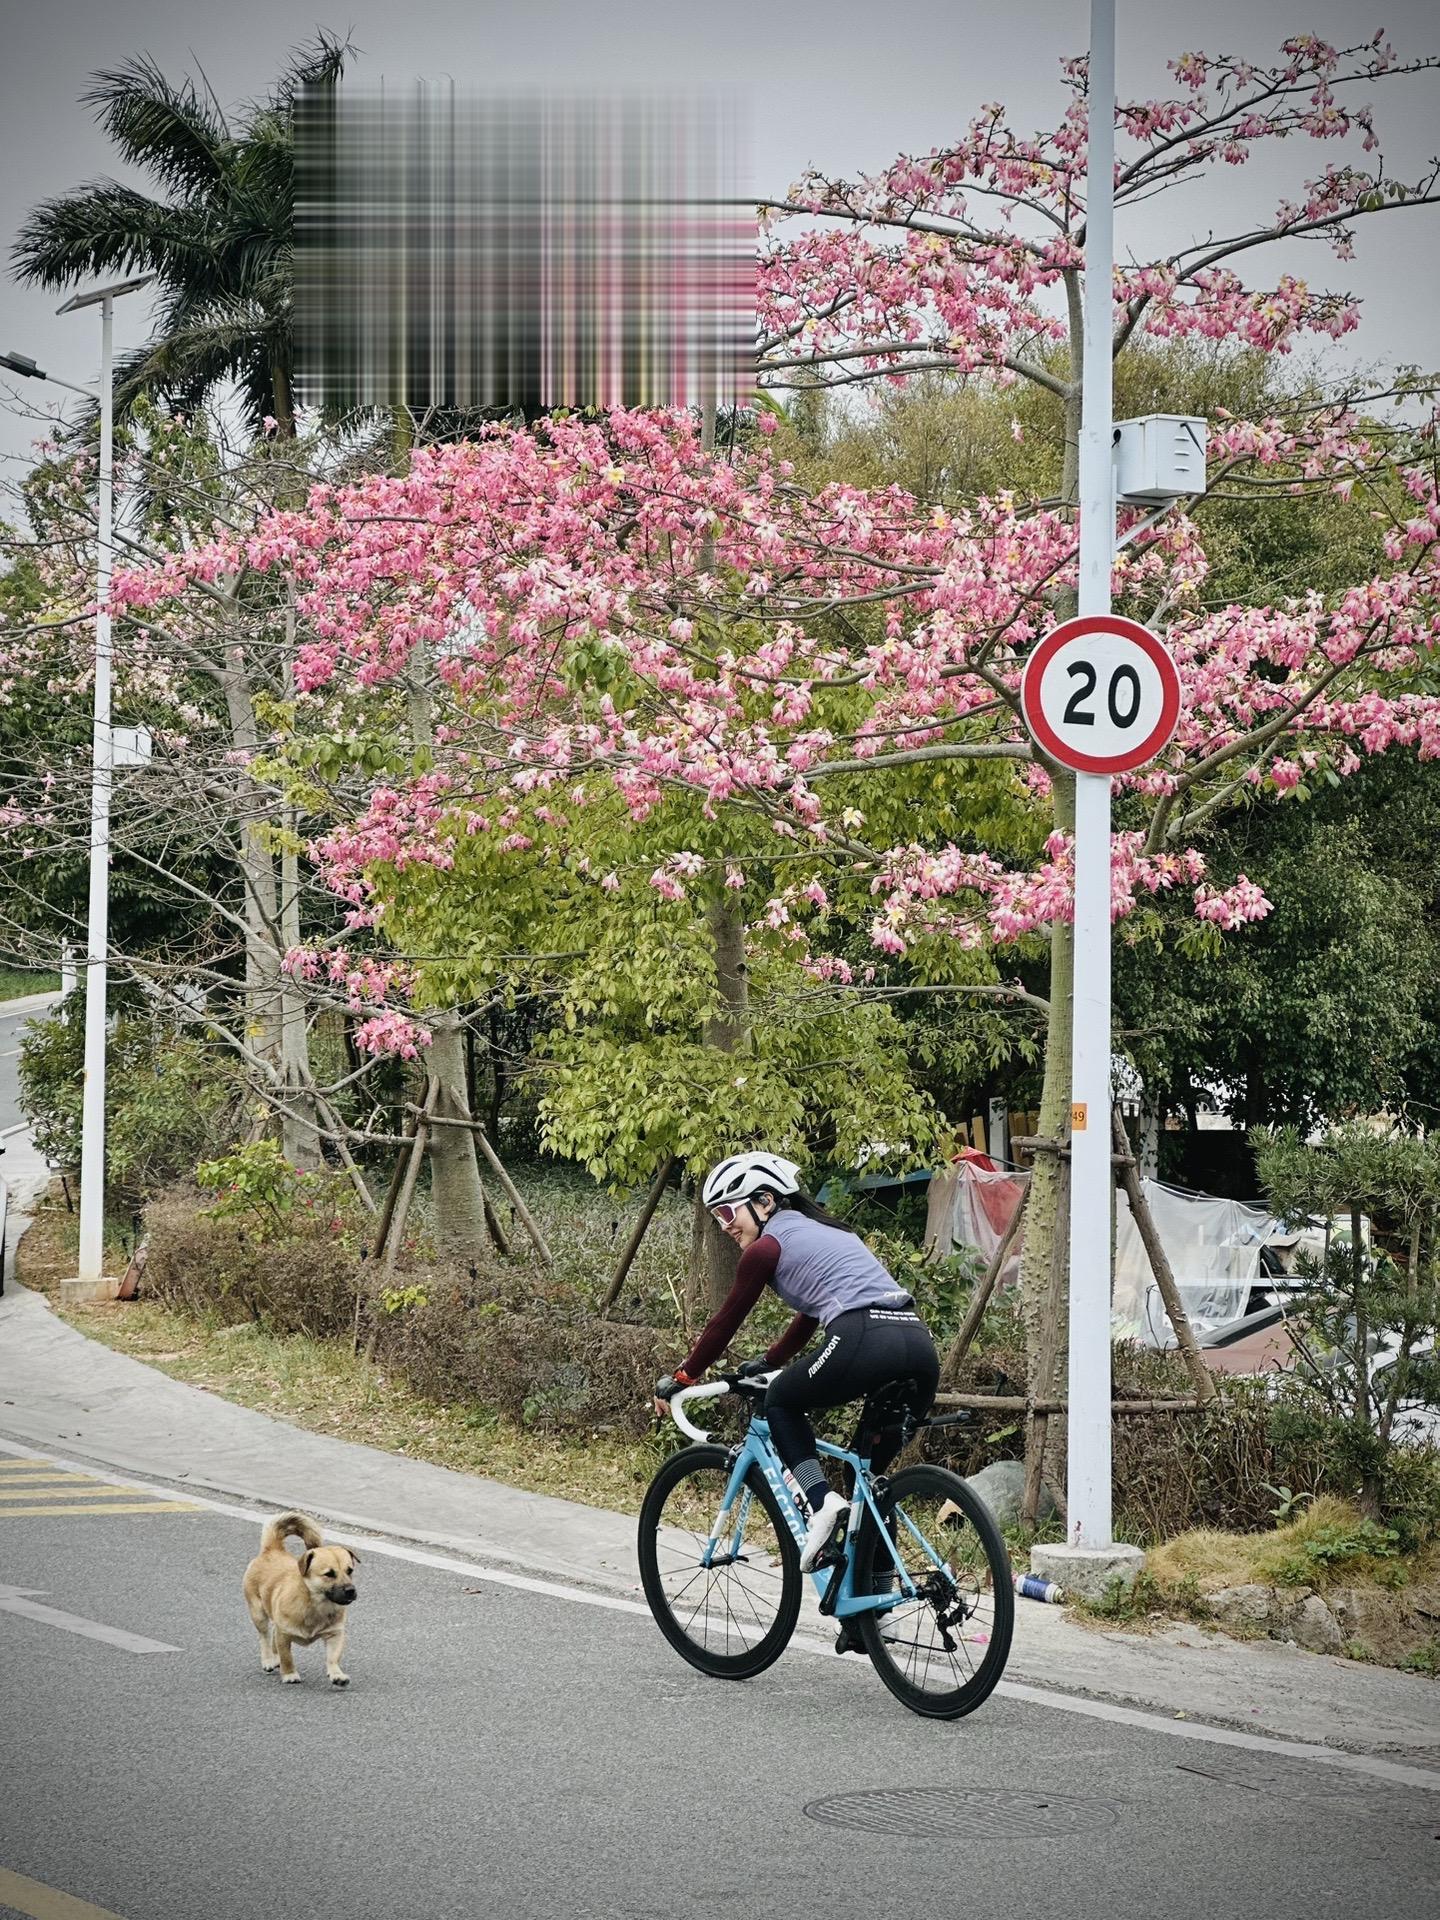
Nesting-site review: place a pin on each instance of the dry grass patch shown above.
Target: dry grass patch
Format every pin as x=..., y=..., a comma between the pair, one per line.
x=1329, y=1543
x=323, y=1387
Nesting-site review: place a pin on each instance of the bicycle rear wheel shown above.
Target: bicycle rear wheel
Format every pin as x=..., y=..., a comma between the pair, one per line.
x=733, y=1618
x=942, y=1652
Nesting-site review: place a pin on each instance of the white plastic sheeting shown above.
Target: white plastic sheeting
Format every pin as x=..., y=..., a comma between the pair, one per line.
x=1213, y=1247
x=971, y=1205
x=1214, y=1251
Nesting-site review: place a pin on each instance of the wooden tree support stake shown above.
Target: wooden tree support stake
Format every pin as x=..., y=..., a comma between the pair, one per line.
x=522, y=1212
x=632, y=1245
x=492, y=1222
x=392, y=1192
x=1019, y=1403
x=527, y=1219
x=960, y=1345
x=1042, y=1385
x=1205, y=1389
x=424, y=1121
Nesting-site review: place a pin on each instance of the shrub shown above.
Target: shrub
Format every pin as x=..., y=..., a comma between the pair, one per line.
x=257, y=1187
x=206, y=1266
x=166, y=1098
x=535, y=1368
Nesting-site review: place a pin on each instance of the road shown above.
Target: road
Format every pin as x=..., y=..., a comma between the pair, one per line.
x=11, y=1027
x=511, y=1750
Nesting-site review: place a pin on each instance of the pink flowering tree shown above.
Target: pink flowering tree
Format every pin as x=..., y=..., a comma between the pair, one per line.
x=612, y=609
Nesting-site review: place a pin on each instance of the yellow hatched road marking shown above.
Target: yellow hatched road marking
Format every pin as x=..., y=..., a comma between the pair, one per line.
x=14, y=1487
x=39, y=1902
x=16, y=1463
x=122, y=1506
x=87, y=1490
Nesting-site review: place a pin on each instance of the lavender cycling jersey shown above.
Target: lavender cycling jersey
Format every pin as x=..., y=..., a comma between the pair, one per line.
x=824, y=1271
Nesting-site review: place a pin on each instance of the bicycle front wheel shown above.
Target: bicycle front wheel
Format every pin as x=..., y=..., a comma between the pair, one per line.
x=733, y=1618
x=942, y=1651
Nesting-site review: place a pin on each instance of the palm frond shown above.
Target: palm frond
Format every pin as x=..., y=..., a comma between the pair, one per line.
x=315, y=63
x=167, y=129
x=107, y=228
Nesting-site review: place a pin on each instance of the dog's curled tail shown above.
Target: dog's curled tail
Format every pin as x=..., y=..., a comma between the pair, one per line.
x=279, y=1530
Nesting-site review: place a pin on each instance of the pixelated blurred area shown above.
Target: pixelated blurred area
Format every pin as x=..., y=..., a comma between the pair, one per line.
x=518, y=253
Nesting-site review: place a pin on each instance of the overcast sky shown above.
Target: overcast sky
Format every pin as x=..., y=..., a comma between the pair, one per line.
x=844, y=86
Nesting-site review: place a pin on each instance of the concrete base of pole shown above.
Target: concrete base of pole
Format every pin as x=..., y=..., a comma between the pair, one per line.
x=1086, y=1573
x=85, y=1293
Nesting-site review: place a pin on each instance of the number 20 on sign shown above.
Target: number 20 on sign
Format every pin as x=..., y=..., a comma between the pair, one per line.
x=1100, y=694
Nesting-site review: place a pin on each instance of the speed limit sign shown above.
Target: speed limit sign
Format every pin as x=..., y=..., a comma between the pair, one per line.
x=1100, y=694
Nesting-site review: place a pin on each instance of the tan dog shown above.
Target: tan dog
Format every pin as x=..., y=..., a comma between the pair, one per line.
x=295, y=1602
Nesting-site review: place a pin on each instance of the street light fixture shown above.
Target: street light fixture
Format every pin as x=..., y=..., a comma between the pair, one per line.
x=90, y=1282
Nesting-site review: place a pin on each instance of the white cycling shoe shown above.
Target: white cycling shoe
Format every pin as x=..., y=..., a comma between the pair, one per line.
x=823, y=1522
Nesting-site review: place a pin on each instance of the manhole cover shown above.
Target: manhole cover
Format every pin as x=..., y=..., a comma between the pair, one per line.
x=959, y=1813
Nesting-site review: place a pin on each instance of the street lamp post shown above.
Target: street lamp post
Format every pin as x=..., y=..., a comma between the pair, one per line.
x=1091, y=1184
x=90, y=1282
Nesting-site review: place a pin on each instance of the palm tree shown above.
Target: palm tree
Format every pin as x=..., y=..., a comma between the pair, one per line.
x=218, y=238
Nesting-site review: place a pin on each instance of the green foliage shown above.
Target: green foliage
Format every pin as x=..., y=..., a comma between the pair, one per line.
x=1288, y=1503
x=403, y=1299
x=258, y=1186
x=1330, y=1548
x=1326, y=1005
x=1357, y=1290
x=165, y=1096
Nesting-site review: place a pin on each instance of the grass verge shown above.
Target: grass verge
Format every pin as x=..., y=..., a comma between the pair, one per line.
x=16, y=983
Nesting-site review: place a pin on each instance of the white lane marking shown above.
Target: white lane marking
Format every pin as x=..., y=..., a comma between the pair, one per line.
x=1376, y=1767
x=18, y=1600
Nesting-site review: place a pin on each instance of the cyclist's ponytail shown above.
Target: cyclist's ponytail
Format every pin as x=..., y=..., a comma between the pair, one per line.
x=801, y=1203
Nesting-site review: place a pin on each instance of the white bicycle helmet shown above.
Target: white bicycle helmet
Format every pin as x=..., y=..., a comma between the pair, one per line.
x=744, y=1175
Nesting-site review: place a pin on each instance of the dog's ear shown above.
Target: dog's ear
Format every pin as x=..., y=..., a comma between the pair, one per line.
x=305, y=1560
x=354, y=1557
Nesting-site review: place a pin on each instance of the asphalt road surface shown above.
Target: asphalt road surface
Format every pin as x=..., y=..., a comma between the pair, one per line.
x=12, y=1026
x=504, y=1751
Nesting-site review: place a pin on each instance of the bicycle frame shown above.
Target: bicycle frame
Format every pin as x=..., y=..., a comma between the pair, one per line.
x=757, y=1449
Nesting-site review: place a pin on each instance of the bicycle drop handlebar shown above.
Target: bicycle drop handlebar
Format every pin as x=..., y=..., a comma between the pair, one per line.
x=714, y=1390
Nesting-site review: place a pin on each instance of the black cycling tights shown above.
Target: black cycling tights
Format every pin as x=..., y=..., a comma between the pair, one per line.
x=868, y=1348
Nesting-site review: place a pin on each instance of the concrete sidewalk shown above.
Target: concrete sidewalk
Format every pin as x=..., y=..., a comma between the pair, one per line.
x=62, y=1391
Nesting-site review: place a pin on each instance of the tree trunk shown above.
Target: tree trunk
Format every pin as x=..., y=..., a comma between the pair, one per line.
x=457, y=1196
x=1152, y=1122
x=1369, y=1502
x=1045, y=1219
x=257, y=876
x=1044, y=1214
x=300, y=1142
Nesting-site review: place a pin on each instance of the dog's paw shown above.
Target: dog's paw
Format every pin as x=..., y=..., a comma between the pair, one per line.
x=339, y=1679
x=269, y=1666
x=289, y=1679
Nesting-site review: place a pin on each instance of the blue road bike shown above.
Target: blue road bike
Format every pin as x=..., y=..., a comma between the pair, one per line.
x=918, y=1576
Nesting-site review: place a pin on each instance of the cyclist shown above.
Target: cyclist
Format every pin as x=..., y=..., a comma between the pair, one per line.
x=871, y=1336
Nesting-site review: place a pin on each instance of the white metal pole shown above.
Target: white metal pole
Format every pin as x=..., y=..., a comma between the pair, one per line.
x=1088, y=1492
x=92, y=1149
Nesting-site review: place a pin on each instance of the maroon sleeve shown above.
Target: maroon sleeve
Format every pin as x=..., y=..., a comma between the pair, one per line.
x=757, y=1264
x=792, y=1339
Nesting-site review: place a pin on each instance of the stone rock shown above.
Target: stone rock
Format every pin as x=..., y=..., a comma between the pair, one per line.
x=1088, y=1573
x=1001, y=1486
x=1315, y=1628
x=1247, y=1606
